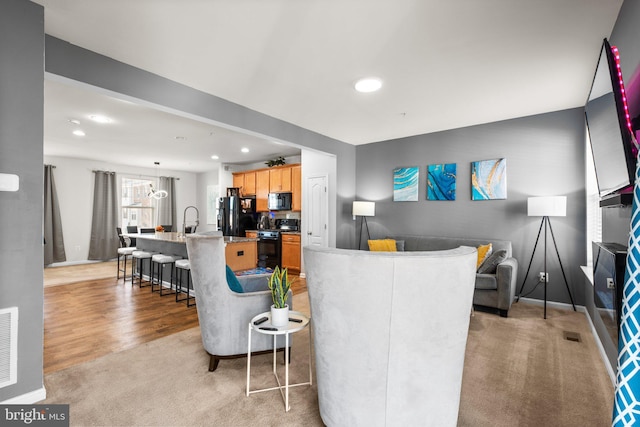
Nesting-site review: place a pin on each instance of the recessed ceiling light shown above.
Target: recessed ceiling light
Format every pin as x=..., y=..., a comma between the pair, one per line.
x=214, y=157
x=245, y=150
x=368, y=84
x=74, y=121
x=78, y=132
x=100, y=119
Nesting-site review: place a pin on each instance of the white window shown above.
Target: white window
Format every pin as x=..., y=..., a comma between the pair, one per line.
x=137, y=208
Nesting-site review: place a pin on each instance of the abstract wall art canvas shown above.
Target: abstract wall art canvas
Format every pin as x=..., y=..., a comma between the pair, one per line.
x=489, y=179
x=441, y=182
x=405, y=184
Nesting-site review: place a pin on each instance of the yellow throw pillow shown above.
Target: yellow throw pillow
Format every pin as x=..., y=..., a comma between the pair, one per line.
x=483, y=252
x=382, y=245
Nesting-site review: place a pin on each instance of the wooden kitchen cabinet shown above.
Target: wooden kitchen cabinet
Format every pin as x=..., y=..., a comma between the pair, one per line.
x=291, y=251
x=241, y=255
x=238, y=180
x=277, y=179
x=251, y=234
x=262, y=190
x=249, y=188
x=280, y=179
x=296, y=188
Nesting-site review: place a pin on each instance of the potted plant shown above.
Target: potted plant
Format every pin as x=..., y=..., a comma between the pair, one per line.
x=279, y=161
x=279, y=284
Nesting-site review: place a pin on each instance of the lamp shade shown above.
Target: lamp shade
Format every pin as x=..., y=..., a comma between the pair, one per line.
x=364, y=209
x=547, y=206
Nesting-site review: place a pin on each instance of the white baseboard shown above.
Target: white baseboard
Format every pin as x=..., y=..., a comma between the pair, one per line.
x=582, y=309
x=28, y=398
x=70, y=263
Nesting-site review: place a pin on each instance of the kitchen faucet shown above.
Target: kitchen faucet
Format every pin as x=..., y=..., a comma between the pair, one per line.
x=184, y=220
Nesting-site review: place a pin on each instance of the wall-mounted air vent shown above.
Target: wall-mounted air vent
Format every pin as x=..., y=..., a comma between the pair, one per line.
x=8, y=346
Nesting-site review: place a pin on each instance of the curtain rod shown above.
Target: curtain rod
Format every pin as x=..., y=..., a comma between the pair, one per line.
x=139, y=175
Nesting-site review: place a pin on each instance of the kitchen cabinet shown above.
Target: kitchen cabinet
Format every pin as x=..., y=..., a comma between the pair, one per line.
x=249, y=188
x=262, y=190
x=277, y=179
x=280, y=179
x=296, y=188
x=251, y=234
x=291, y=251
x=246, y=182
x=238, y=180
x=241, y=255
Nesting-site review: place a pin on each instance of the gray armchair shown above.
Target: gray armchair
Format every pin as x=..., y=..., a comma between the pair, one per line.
x=222, y=313
x=390, y=331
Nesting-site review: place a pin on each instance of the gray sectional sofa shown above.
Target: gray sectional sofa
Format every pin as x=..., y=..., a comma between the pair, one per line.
x=492, y=290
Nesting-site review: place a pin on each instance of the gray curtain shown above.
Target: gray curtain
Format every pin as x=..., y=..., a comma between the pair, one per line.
x=167, y=206
x=53, y=240
x=104, y=236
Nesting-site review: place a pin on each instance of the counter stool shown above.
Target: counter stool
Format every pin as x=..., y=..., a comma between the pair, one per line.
x=124, y=253
x=183, y=266
x=158, y=261
x=137, y=261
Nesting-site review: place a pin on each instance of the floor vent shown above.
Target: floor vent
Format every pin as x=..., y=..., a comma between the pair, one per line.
x=8, y=346
x=572, y=336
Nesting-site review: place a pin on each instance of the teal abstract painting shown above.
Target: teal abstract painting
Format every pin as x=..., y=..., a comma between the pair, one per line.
x=489, y=179
x=441, y=182
x=405, y=184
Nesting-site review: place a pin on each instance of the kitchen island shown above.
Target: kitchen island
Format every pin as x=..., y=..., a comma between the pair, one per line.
x=241, y=252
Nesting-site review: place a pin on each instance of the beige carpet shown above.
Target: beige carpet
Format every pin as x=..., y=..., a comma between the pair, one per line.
x=519, y=371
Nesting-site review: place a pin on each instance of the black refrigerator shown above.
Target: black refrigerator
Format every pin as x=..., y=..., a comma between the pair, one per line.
x=236, y=215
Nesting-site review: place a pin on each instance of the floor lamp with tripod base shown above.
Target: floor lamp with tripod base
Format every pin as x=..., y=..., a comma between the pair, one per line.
x=363, y=209
x=546, y=207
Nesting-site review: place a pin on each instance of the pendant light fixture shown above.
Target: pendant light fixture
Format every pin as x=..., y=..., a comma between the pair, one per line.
x=153, y=193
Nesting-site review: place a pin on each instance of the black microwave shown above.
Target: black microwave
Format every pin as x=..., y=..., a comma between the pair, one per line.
x=279, y=201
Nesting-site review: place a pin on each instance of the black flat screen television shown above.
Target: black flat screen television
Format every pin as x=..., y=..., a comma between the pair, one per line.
x=610, y=134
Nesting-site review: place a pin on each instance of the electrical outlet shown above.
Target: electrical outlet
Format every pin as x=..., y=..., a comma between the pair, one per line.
x=543, y=277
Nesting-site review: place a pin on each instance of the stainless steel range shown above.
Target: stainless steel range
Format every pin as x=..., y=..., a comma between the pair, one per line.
x=270, y=242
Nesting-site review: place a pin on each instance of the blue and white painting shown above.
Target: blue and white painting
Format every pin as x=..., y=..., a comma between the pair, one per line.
x=489, y=179
x=405, y=184
x=441, y=182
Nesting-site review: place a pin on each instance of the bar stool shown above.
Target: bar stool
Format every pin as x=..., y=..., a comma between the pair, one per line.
x=158, y=261
x=183, y=266
x=138, y=258
x=124, y=253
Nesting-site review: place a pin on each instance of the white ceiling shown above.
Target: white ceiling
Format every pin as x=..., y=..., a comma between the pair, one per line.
x=140, y=135
x=445, y=63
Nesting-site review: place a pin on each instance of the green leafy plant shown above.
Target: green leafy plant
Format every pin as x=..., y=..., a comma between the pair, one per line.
x=275, y=162
x=279, y=284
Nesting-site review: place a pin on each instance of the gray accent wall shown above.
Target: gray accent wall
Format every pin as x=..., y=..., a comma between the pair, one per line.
x=545, y=157
x=21, y=130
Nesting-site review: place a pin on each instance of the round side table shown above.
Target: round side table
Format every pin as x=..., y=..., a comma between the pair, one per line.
x=297, y=322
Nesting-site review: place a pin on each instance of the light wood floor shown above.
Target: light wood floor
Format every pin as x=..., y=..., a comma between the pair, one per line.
x=92, y=317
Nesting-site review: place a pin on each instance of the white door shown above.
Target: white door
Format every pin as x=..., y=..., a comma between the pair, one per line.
x=317, y=211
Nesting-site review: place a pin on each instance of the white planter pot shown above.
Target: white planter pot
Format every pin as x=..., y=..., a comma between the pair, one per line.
x=279, y=316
